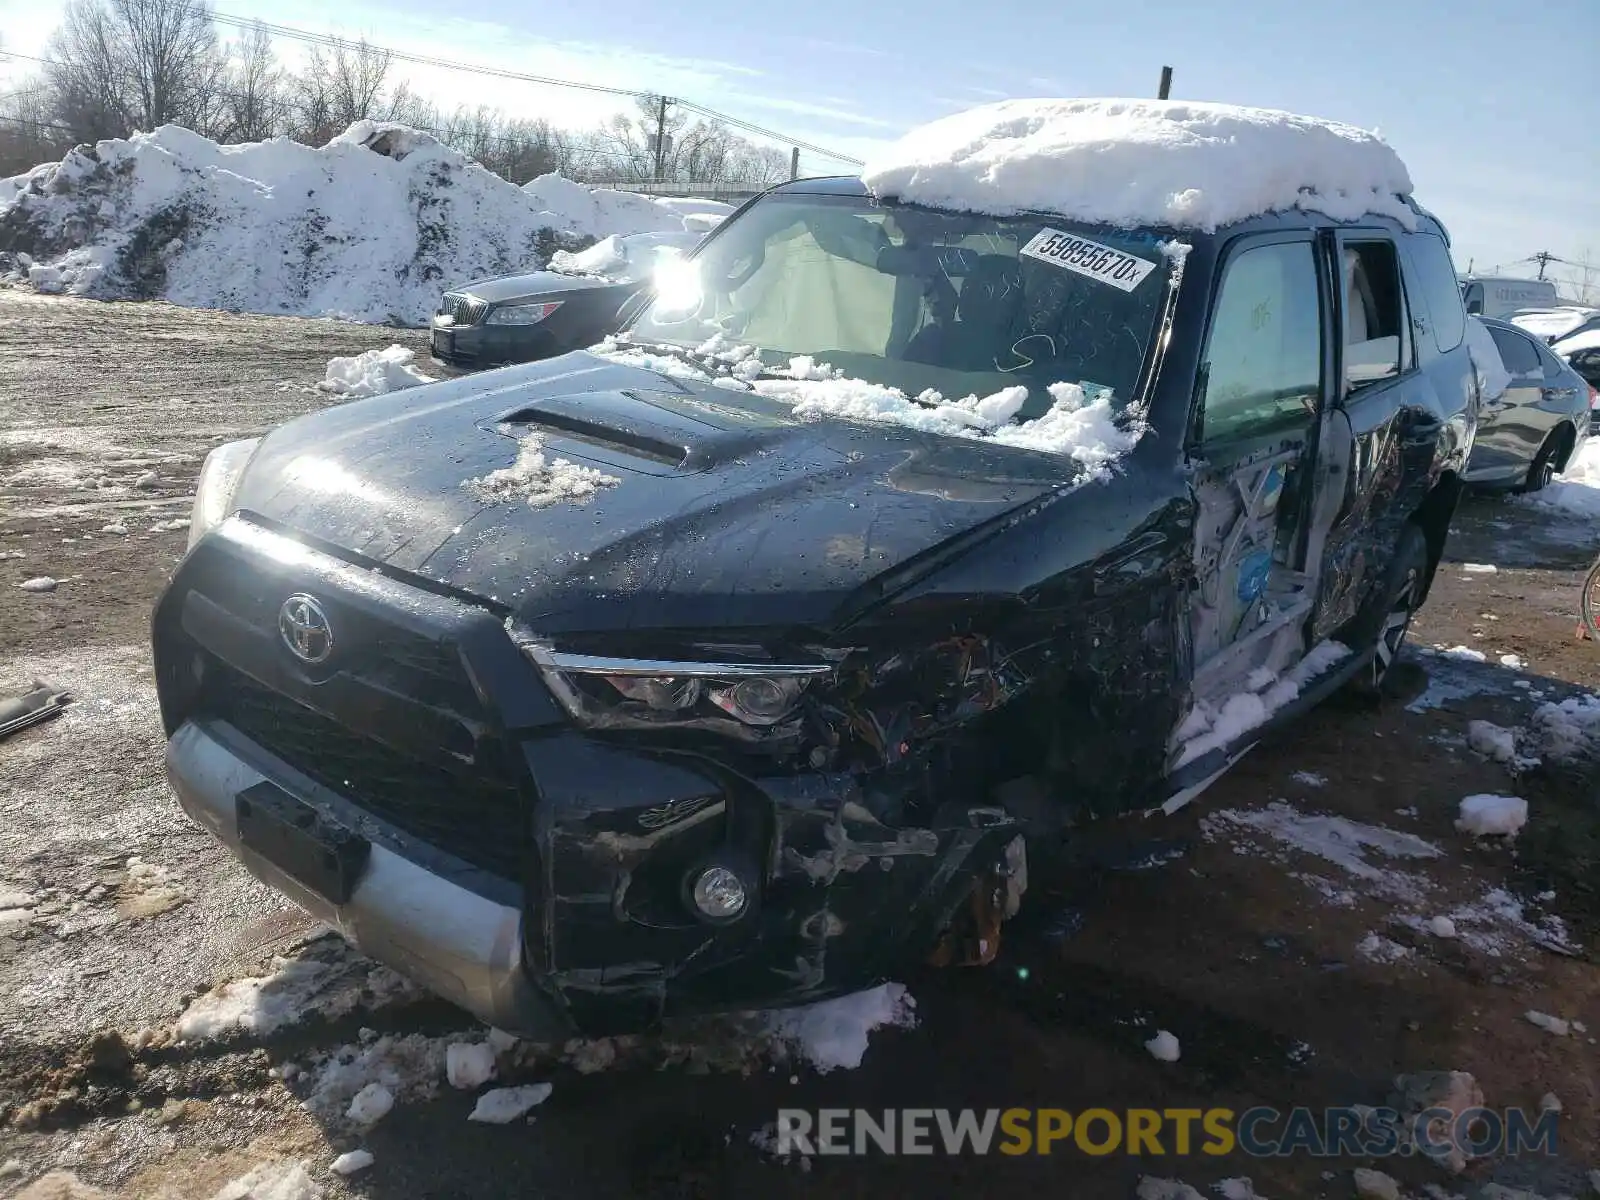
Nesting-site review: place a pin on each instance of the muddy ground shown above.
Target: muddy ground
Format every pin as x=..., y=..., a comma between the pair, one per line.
x=1291, y=957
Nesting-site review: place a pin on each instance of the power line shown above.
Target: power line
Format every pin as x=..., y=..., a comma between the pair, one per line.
x=331, y=41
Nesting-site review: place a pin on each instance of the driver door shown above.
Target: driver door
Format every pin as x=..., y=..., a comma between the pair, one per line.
x=1258, y=418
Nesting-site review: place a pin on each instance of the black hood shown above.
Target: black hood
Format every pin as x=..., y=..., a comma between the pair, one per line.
x=531, y=284
x=730, y=512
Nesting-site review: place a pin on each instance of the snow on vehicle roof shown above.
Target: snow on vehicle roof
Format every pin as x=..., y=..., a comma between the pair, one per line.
x=1587, y=340
x=1133, y=163
x=1553, y=322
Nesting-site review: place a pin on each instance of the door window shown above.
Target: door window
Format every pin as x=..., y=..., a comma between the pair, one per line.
x=1263, y=365
x=1441, y=291
x=1516, y=352
x=1377, y=343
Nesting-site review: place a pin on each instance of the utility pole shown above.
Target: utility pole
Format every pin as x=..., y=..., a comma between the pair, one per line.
x=794, y=162
x=1543, y=259
x=1166, y=84
x=661, y=138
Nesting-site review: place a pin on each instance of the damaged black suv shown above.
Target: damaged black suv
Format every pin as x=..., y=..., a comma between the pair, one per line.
x=730, y=664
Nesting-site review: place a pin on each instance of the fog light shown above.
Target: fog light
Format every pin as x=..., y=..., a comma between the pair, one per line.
x=719, y=894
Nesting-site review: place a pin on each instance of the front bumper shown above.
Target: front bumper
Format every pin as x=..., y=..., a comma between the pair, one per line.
x=453, y=941
x=476, y=347
x=517, y=866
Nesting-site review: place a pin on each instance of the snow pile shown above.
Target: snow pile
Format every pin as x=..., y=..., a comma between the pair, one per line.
x=372, y=373
x=370, y=1105
x=281, y=1180
x=1379, y=949
x=1479, y=568
x=1552, y=323
x=1142, y=162
x=370, y=227
x=351, y=1161
x=539, y=481
x=1087, y=431
x=624, y=259
x=1493, y=378
x=1345, y=843
x=834, y=1033
x=1568, y=729
x=1492, y=741
x=1577, y=489
x=501, y=1106
x=469, y=1065
x=329, y=980
x=1209, y=727
x=1492, y=816
x=600, y=212
x=403, y=1067
x=1163, y=1046
x=1553, y=1025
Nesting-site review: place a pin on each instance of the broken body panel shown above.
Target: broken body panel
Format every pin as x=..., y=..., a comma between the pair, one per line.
x=988, y=617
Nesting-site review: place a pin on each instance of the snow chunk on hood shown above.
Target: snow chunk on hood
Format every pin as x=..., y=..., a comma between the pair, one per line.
x=1082, y=430
x=1087, y=431
x=539, y=481
x=1177, y=164
x=372, y=373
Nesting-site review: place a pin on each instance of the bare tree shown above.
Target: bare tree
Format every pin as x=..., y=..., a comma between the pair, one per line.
x=86, y=72
x=254, y=103
x=344, y=83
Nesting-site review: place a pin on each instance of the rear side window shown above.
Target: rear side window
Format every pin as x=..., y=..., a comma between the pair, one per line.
x=1516, y=351
x=1377, y=342
x=1441, y=293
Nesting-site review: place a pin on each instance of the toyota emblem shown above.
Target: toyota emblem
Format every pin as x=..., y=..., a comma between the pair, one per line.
x=304, y=628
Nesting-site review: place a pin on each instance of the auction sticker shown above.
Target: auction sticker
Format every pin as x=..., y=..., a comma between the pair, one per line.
x=1088, y=258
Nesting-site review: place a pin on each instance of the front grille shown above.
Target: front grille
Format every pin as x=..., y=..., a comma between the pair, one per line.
x=478, y=817
x=464, y=310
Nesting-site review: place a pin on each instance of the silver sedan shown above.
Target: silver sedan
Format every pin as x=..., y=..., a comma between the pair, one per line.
x=1529, y=431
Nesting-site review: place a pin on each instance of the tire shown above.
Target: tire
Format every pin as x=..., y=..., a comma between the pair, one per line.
x=1381, y=630
x=1544, y=466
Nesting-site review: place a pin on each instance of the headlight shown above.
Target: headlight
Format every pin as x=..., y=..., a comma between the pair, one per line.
x=219, y=479
x=523, y=314
x=751, y=701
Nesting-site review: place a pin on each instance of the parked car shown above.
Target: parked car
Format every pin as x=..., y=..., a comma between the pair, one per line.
x=1529, y=431
x=750, y=677
x=1581, y=351
x=1553, y=324
x=532, y=315
x=1499, y=296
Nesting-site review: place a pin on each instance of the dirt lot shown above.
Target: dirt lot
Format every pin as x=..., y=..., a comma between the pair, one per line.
x=1279, y=928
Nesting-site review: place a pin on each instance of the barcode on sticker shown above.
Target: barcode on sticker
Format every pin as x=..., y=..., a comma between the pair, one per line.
x=1089, y=258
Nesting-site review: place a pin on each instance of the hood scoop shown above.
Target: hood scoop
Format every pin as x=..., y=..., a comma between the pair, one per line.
x=676, y=430
x=581, y=420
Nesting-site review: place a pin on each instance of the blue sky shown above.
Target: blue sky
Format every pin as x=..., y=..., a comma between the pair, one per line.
x=1474, y=95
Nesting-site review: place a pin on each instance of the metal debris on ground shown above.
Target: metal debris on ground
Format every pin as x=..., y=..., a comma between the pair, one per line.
x=30, y=708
